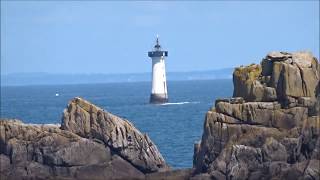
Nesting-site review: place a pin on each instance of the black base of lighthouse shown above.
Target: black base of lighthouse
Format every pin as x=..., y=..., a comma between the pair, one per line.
x=158, y=98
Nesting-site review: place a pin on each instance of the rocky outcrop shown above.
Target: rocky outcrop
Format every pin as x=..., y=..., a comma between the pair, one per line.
x=90, y=121
x=282, y=76
x=270, y=129
x=90, y=144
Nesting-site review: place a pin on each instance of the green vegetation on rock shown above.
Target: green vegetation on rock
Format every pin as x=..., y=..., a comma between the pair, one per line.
x=248, y=73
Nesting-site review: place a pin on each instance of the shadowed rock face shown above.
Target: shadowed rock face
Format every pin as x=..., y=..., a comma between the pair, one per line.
x=271, y=128
x=91, y=144
x=90, y=121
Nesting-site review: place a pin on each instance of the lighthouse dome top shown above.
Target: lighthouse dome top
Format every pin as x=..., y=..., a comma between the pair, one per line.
x=157, y=52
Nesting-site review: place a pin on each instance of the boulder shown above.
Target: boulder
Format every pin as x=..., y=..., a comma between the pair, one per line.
x=248, y=86
x=281, y=76
x=278, y=56
x=292, y=80
x=89, y=121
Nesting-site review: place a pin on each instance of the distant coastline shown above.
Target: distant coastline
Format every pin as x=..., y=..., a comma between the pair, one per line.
x=20, y=79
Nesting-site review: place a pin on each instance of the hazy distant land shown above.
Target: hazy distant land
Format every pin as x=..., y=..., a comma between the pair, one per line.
x=17, y=79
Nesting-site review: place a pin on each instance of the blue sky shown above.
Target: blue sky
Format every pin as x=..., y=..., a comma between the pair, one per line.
x=114, y=37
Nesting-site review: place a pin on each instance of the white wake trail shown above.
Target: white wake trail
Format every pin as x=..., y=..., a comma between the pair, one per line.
x=179, y=103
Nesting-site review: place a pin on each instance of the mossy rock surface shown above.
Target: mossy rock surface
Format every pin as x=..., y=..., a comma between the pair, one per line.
x=248, y=73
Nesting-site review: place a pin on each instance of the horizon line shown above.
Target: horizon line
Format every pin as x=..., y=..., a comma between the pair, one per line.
x=106, y=73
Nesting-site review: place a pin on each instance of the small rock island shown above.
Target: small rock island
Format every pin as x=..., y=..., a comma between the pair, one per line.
x=269, y=129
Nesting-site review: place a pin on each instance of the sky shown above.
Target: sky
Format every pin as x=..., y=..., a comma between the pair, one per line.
x=114, y=37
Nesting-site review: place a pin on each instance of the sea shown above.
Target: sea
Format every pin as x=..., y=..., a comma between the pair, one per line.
x=174, y=126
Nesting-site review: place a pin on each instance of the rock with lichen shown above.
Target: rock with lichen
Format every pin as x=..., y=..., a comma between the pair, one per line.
x=274, y=132
x=248, y=85
x=281, y=76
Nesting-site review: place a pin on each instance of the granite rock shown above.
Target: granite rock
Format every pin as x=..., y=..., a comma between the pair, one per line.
x=281, y=76
x=89, y=121
x=274, y=132
x=90, y=144
x=47, y=152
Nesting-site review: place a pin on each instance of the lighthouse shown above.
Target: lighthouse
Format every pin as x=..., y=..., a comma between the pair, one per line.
x=159, y=93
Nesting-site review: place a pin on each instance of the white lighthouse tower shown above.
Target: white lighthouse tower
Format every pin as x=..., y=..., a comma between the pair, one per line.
x=159, y=93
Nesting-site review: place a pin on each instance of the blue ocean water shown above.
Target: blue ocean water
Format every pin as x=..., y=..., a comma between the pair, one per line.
x=174, y=127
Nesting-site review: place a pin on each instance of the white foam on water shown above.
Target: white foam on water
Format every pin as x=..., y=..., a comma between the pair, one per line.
x=179, y=103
